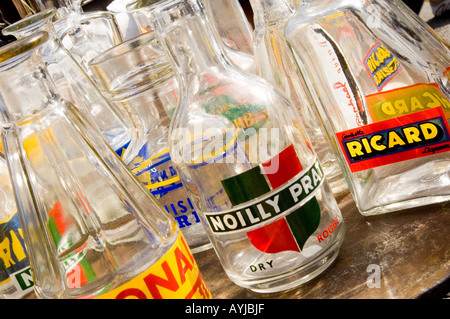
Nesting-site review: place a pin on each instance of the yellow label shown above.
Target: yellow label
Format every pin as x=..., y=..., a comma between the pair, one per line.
x=174, y=276
x=406, y=100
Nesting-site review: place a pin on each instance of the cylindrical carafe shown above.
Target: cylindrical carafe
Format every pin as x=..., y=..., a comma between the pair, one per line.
x=228, y=20
x=137, y=76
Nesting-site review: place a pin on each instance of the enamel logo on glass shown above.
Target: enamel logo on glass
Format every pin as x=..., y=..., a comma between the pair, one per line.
x=399, y=139
x=288, y=193
x=382, y=65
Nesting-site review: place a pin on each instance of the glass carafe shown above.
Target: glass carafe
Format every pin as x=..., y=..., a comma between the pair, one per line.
x=276, y=64
x=15, y=273
x=384, y=98
x=75, y=86
x=229, y=22
x=91, y=229
x=246, y=161
x=137, y=76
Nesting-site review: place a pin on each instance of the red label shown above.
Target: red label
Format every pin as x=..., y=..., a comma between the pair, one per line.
x=395, y=140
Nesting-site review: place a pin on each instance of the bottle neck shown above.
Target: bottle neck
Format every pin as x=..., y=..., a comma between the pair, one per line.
x=25, y=86
x=267, y=12
x=191, y=42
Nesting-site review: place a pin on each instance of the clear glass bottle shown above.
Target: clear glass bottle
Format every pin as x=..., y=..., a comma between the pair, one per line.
x=90, y=228
x=15, y=273
x=75, y=86
x=228, y=19
x=136, y=75
x=378, y=82
x=276, y=64
x=246, y=161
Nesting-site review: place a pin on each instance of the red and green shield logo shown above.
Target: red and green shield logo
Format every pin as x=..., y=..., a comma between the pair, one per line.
x=289, y=192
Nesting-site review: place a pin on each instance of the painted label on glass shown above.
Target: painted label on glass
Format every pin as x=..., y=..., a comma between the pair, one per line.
x=174, y=276
x=381, y=65
x=263, y=198
x=406, y=100
x=14, y=262
x=160, y=177
x=391, y=141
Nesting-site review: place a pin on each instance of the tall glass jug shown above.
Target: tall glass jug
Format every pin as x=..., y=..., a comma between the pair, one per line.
x=15, y=274
x=384, y=98
x=137, y=76
x=246, y=161
x=90, y=228
x=276, y=64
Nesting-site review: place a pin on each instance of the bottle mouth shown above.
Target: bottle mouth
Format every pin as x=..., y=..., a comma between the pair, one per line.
x=23, y=47
x=34, y=21
x=134, y=65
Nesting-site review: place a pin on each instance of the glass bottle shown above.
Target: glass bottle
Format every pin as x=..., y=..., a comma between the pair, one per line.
x=228, y=19
x=75, y=86
x=90, y=228
x=137, y=76
x=15, y=274
x=246, y=161
x=378, y=83
x=276, y=64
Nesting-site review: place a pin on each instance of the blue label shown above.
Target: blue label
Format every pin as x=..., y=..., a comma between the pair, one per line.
x=160, y=177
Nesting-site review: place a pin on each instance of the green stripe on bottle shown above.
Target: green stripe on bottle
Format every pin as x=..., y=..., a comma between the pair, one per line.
x=246, y=186
x=304, y=221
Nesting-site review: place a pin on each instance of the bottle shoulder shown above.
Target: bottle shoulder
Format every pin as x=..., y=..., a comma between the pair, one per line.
x=313, y=11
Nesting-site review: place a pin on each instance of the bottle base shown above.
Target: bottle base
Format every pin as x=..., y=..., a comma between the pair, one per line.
x=201, y=248
x=394, y=207
x=299, y=276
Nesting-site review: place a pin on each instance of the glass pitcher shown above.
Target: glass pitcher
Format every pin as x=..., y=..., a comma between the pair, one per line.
x=246, y=161
x=137, y=76
x=75, y=86
x=90, y=228
x=383, y=96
